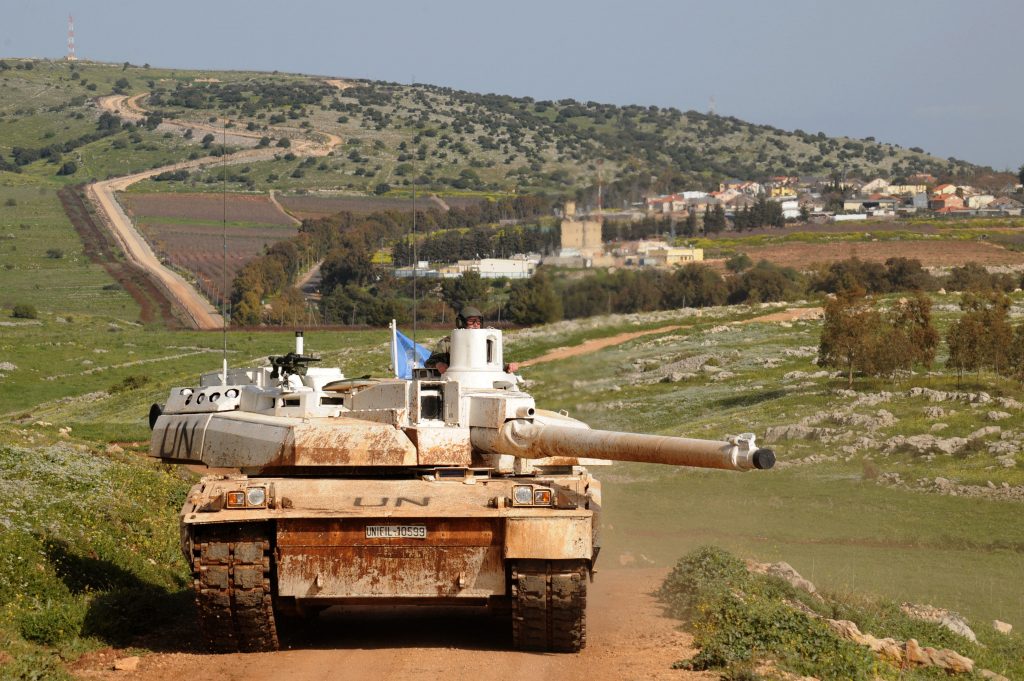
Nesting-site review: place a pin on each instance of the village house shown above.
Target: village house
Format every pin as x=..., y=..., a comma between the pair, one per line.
x=945, y=203
x=904, y=189
x=980, y=200
x=874, y=186
x=672, y=257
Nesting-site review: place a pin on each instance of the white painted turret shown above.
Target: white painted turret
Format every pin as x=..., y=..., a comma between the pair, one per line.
x=477, y=359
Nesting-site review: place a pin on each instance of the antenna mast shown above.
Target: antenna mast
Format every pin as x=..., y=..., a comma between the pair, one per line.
x=224, y=248
x=71, y=39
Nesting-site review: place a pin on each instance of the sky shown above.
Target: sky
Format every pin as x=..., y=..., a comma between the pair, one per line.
x=944, y=75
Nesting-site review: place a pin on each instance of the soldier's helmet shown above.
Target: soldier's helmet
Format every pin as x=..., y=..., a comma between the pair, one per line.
x=466, y=313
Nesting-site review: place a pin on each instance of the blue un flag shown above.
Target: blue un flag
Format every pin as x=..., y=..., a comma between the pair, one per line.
x=407, y=354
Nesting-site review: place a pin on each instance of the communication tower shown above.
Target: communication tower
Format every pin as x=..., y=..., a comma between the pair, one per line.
x=71, y=39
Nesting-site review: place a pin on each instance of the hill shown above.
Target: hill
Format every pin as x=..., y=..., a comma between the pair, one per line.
x=443, y=139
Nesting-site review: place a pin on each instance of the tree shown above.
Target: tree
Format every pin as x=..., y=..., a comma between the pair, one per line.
x=465, y=290
x=1020, y=175
x=534, y=301
x=350, y=264
x=738, y=263
x=982, y=337
x=912, y=338
x=289, y=307
x=848, y=333
x=696, y=286
x=68, y=168
x=690, y=226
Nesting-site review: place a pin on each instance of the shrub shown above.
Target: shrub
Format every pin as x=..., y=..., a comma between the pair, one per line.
x=24, y=311
x=10, y=203
x=738, y=617
x=54, y=253
x=132, y=382
x=51, y=623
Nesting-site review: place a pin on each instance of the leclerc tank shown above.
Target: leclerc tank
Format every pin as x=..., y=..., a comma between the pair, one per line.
x=442, y=489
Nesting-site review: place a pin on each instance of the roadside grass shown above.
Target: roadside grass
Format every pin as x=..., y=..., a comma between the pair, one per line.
x=751, y=625
x=42, y=261
x=88, y=553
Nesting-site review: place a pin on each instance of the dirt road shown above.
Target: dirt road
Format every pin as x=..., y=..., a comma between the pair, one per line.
x=197, y=308
x=595, y=344
x=627, y=638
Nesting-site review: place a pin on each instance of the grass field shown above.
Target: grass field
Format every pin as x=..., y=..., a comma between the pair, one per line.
x=42, y=263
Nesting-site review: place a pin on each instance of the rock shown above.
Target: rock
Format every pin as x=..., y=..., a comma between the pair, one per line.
x=127, y=664
x=951, y=660
x=1002, y=627
x=938, y=427
x=991, y=675
x=797, y=432
x=934, y=412
x=114, y=448
x=784, y=571
x=950, y=620
x=984, y=432
x=997, y=415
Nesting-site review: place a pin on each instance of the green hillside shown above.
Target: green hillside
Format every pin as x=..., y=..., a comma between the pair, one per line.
x=443, y=139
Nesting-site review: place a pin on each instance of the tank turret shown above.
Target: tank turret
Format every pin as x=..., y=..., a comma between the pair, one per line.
x=446, y=488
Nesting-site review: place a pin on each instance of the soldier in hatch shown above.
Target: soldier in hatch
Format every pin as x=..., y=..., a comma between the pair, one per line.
x=468, y=318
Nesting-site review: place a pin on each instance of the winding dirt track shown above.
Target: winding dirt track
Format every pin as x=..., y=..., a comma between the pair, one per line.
x=198, y=309
x=595, y=344
x=628, y=637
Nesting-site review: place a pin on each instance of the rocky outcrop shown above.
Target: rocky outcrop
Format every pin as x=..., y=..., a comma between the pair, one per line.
x=950, y=620
x=901, y=653
x=784, y=571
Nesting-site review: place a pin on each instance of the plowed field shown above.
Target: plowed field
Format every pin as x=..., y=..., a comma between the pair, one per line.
x=930, y=253
x=257, y=209
x=318, y=207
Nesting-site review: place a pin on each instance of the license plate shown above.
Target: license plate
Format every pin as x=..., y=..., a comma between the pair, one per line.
x=396, y=531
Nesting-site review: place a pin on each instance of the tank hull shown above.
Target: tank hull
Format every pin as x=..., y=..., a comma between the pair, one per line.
x=331, y=541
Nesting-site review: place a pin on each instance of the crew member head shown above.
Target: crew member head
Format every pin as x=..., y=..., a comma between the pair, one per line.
x=470, y=318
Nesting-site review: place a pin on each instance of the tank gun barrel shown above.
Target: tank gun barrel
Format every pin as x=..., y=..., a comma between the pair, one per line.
x=533, y=440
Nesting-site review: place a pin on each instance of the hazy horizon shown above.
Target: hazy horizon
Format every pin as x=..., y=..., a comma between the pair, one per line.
x=937, y=75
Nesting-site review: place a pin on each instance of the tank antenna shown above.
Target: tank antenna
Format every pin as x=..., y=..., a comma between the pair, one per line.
x=224, y=256
x=415, y=257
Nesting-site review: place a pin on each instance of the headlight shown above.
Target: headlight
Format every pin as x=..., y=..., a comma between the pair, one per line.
x=256, y=496
x=522, y=495
x=528, y=495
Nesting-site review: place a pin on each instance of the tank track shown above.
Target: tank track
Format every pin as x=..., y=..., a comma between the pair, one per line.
x=231, y=580
x=549, y=606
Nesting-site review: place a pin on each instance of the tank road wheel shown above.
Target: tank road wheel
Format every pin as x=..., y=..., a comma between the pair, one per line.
x=549, y=606
x=231, y=580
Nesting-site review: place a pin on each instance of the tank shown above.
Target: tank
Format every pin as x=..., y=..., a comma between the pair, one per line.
x=436, y=490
